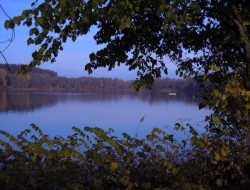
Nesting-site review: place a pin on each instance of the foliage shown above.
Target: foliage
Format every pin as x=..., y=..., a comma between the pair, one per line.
x=95, y=159
x=42, y=79
x=207, y=40
x=141, y=33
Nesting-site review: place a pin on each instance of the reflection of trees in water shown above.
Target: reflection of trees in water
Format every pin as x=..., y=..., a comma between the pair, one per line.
x=19, y=92
x=30, y=101
x=25, y=101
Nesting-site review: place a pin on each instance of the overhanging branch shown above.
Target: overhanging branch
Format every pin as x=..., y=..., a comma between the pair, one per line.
x=244, y=37
x=8, y=41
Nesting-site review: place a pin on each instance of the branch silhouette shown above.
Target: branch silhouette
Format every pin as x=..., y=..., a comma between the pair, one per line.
x=9, y=40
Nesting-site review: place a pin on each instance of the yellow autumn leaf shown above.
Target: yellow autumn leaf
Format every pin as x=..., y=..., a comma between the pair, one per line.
x=217, y=156
x=219, y=182
x=113, y=166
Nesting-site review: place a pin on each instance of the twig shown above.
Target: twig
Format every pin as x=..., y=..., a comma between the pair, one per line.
x=9, y=41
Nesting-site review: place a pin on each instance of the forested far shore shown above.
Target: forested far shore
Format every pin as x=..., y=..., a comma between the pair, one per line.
x=47, y=80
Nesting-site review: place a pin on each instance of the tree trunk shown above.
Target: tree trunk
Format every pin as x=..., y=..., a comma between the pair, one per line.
x=244, y=37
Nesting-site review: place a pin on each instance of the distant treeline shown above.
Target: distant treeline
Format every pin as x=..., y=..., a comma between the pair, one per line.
x=41, y=79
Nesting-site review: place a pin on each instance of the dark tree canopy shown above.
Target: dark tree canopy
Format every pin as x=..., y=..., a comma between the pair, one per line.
x=208, y=40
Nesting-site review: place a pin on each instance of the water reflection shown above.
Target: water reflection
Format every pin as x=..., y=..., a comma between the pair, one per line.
x=56, y=113
x=31, y=101
x=21, y=102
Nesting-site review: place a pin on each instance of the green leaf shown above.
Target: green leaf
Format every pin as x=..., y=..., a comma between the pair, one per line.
x=142, y=119
x=223, y=152
x=26, y=13
x=187, y=186
x=9, y=24
x=217, y=156
x=34, y=157
x=178, y=127
x=246, y=23
x=219, y=182
x=33, y=31
x=114, y=166
x=216, y=120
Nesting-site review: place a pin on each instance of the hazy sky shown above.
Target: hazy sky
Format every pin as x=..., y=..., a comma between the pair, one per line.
x=71, y=60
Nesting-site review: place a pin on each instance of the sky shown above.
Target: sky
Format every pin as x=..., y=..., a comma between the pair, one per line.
x=70, y=62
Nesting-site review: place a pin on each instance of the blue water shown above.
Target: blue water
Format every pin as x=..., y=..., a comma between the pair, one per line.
x=56, y=113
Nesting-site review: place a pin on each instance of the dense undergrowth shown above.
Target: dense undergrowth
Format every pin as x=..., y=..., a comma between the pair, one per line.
x=95, y=159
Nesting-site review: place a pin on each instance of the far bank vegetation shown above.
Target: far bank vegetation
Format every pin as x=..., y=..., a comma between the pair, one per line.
x=46, y=80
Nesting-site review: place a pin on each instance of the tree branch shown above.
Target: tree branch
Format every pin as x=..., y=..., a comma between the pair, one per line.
x=9, y=41
x=243, y=36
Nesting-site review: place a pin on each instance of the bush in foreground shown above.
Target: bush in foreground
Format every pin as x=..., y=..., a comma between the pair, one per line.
x=95, y=159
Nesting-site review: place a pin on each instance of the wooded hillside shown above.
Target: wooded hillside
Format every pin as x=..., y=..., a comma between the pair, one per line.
x=41, y=79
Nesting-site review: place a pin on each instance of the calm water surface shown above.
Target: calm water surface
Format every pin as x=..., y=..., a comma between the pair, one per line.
x=56, y=113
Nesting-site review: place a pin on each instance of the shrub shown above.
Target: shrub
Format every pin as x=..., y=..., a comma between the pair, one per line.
x=95, y=159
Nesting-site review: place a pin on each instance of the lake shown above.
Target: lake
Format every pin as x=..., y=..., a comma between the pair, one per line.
x=56, y=113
